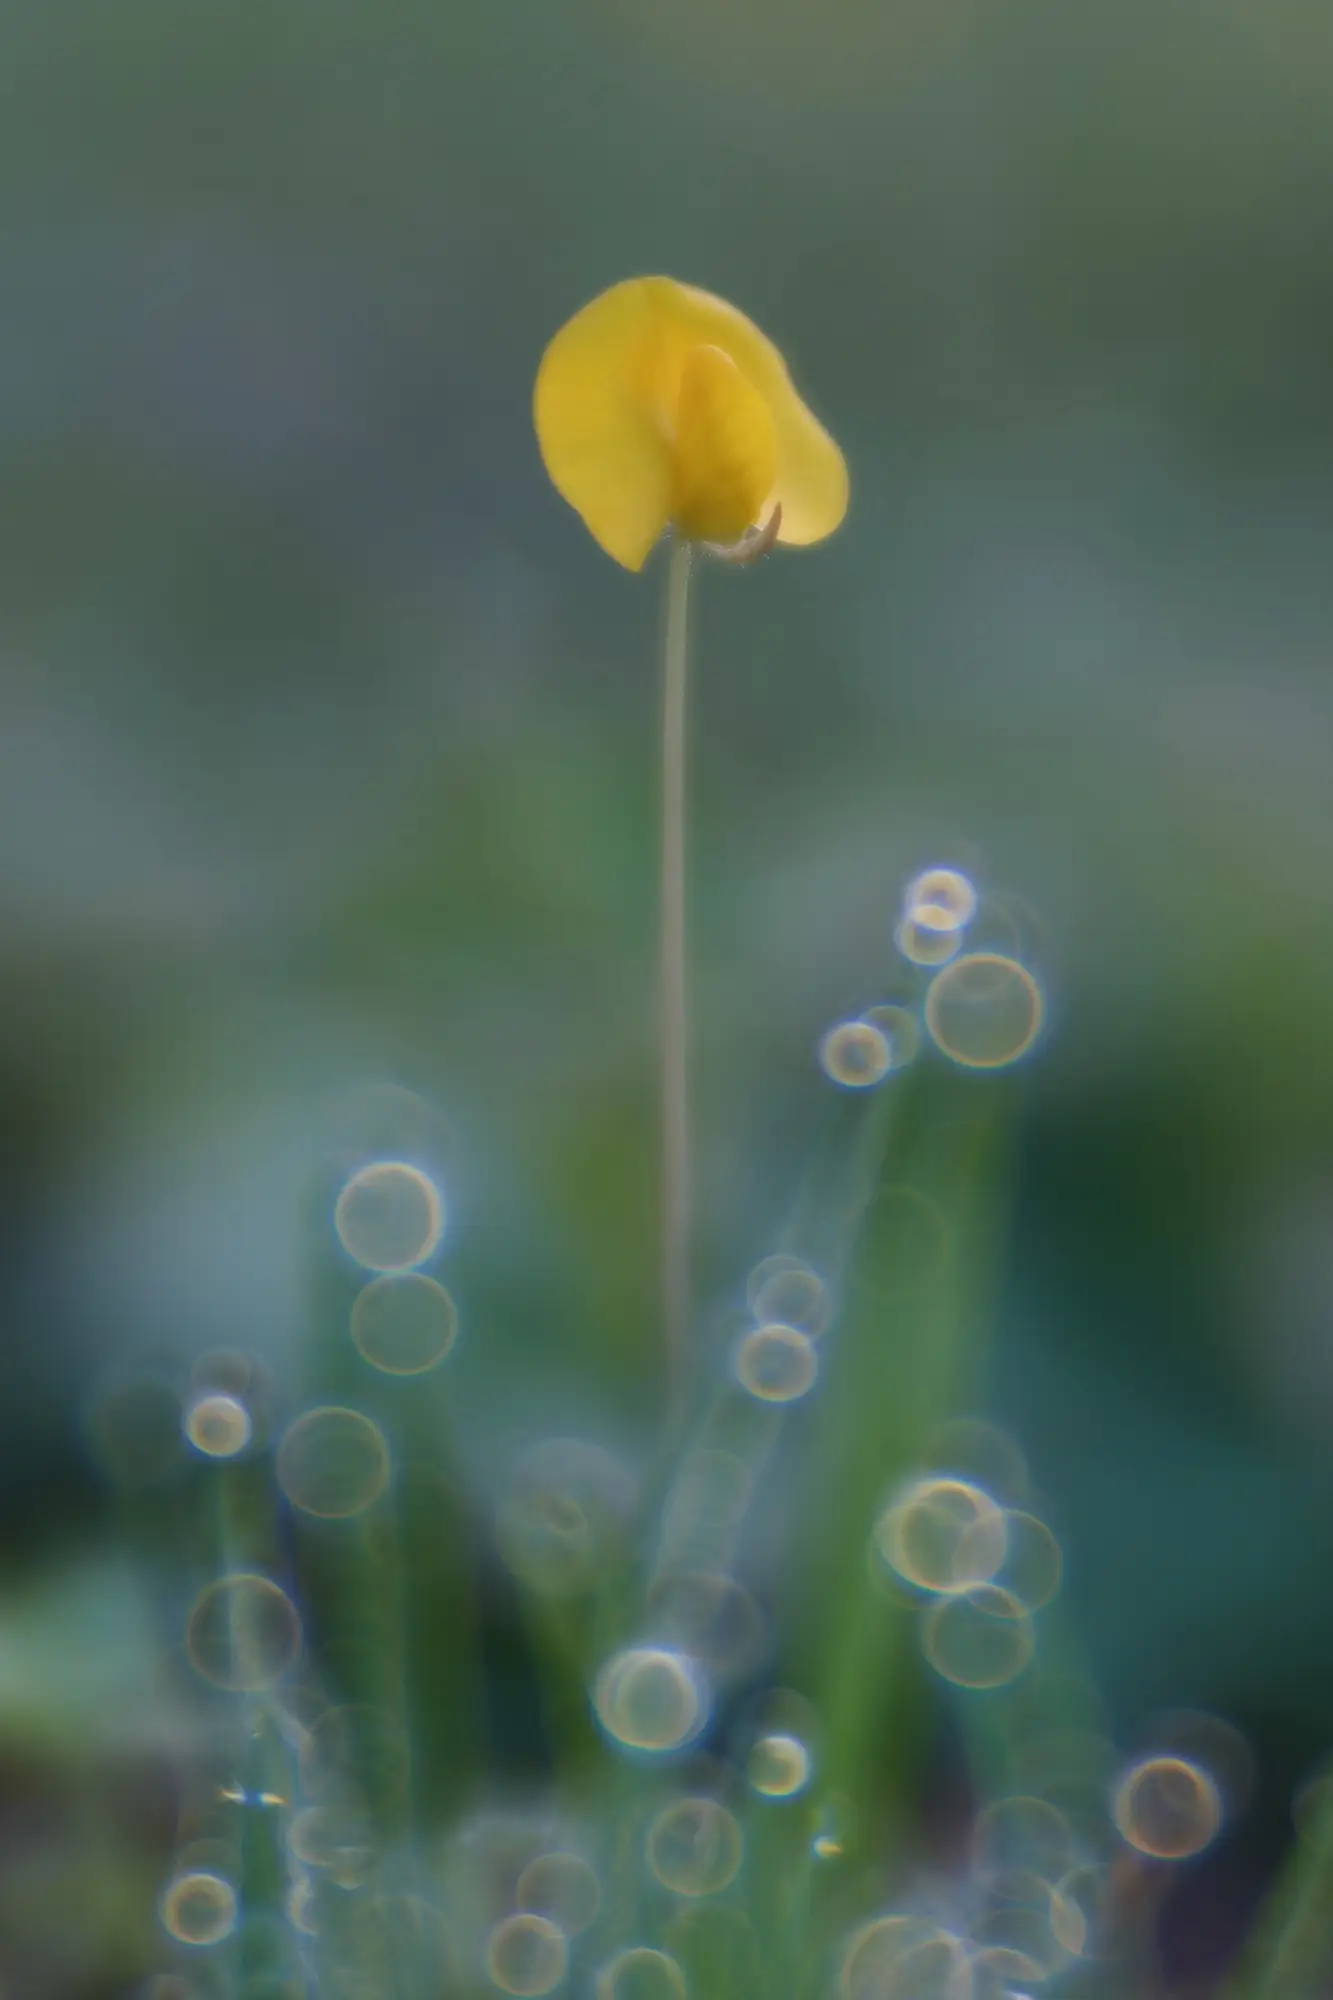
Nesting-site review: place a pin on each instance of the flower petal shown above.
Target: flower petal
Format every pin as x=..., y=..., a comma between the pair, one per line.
x=607, y=402
x=603, y=430
x=810, y=482
x=726, y=449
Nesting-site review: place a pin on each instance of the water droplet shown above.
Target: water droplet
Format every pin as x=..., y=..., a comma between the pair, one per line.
x=404, y=1323
x=527, y=1954
x=1167, y=1807
x=562, y=1887
x=940, y=899
x=942, y=1534
x=856, y=1055
x=199, y=1908
x=984, y=1010
x=651, y=1699
x=786, y=1289
x=389, y=1216
x=978, y=1638
x=778, y=1766
x=218, y=1426
x=243, y=1632
x=695, y=1847
x=776, y=1363
x=922, y=944
x=333, y=1462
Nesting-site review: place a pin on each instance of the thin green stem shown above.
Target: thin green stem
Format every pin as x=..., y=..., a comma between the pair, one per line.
x=674, y=1018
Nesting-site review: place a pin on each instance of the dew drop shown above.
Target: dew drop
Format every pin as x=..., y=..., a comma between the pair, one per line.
x=778, y=1766
x=389, y=1216
x=942, y=1534
x=650, y=1699
x=787, y=1289
x=855, y=1054
x=985, y=1010
x=940, y=899
x=218, y=1426
x=333, y=1462
x=527, y=1955
x=924, y=945
x=695, y=1847
x=1167, y=1807
x=404, y=1323
x=978, y=1638
x=243, y=1632
x=562, y=1887
x=776, y=1363
x=199, y=1908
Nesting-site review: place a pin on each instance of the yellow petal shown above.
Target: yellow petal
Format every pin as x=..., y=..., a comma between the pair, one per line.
x=810, y=480
x=726, y=449
x=603, y=435
x=608, y=402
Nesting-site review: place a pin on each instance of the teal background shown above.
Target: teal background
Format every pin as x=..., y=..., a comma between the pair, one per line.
x=326, y=733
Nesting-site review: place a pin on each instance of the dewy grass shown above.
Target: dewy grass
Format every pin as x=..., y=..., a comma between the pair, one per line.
x=669, y=1736
x=703, y=1767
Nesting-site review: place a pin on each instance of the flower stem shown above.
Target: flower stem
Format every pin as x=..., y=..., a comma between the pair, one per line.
x=674, y=1020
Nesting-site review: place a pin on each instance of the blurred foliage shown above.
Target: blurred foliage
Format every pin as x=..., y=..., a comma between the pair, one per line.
x=326, y=755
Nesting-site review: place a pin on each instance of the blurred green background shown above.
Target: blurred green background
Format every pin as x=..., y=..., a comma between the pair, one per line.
x=327, y=735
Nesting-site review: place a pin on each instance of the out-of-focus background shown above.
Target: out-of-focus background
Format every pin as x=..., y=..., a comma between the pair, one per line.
x=327, y=740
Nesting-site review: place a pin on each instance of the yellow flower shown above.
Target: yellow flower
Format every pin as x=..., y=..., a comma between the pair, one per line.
x=659, y=404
